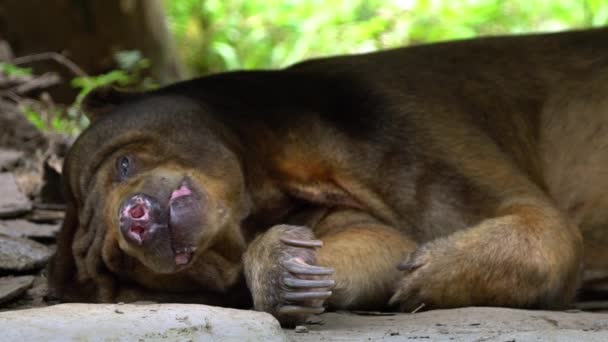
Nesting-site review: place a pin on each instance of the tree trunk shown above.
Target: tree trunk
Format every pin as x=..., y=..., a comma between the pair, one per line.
x=90, y=32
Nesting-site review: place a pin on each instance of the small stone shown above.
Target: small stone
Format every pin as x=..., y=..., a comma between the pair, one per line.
x=13, y=287
x=23, y=228
x=19, y=254
x=300, y=329
x=9, y=158
x=12, y=202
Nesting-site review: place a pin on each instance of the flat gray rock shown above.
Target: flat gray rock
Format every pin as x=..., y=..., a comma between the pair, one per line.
x=9, y=158
x=46, y=215
x=132, y=322
x=24, y=228
x=12, y=201
x=19, y=254
x=467, y=324
x=13, y=287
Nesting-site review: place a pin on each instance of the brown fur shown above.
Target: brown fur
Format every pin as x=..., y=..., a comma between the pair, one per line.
x=476, y=166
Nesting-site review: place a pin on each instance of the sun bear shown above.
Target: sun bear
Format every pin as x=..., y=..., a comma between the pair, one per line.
x=451, y=174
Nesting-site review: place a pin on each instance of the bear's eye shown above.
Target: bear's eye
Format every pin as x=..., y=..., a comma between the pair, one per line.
x=124, y=166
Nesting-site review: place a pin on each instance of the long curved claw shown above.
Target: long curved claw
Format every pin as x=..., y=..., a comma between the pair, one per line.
x=302, y=243
x=295, y=309
x=305, y=283
x=296, y=296
x=305, y=269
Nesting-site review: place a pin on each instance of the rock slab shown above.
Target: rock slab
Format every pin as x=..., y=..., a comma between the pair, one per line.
x=24, y=228
x=12, y=201
x=18, y=254
x=13, y=287
x=132, y=322
x=9, y=158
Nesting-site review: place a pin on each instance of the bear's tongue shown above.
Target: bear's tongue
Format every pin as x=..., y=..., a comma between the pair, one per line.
x=183, y=190
x=183, y=258
x=184, y=221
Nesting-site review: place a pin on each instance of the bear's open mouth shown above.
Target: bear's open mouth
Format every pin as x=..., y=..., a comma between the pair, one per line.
x=185, y=221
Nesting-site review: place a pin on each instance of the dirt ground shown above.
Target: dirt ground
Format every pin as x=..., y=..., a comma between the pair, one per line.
x=466, y=324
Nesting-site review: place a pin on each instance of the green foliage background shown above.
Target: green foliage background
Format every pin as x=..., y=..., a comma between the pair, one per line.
x=218, y=35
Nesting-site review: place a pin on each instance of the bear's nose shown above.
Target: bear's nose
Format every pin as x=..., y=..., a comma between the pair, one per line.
x=138, y=211
x=140, y=217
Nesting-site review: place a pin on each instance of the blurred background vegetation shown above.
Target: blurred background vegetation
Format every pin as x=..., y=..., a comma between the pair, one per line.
x=217, y=35
x=141, y=44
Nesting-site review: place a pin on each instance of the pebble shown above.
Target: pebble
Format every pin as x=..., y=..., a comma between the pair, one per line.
x=301, y=329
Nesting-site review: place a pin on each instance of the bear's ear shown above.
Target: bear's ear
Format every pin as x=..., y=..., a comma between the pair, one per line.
x=103, y=100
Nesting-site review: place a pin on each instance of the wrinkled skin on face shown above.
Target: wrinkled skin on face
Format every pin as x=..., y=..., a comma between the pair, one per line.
x=150, y=202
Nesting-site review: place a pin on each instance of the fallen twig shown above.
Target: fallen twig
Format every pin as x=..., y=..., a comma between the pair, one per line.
x=43, y=81
x=418, y=308
x=10, y=95
x=57, y=57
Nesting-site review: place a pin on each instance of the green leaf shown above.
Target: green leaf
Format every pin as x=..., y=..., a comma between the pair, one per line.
x=14, y=70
